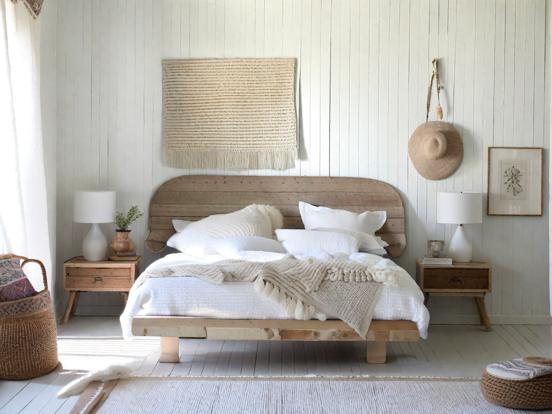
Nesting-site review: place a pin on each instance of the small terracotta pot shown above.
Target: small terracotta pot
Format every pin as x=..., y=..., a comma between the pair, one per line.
x=122, y=243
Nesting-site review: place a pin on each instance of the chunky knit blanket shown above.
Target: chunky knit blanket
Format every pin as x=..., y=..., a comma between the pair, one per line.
x=305, y=288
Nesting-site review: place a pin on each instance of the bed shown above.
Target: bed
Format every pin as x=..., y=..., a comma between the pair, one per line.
x=161, y=309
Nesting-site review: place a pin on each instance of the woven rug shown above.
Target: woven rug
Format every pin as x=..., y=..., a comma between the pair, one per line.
x=230, y=113
x=286, y=395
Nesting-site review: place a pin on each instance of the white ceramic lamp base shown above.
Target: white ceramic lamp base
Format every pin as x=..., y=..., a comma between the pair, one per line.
x=94, y=245
x=460, y=248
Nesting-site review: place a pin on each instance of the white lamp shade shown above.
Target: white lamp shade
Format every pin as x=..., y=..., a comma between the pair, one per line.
x=94, y=207
x=459, y=208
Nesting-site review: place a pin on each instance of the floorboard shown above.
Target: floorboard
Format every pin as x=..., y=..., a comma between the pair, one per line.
x=92, y=343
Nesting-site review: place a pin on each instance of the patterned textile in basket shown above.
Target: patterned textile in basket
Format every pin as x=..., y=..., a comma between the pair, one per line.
x=14, y=284
x=533, y=394
x=28, y=333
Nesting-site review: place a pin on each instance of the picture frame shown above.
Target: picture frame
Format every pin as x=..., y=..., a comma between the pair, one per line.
x=515, y=181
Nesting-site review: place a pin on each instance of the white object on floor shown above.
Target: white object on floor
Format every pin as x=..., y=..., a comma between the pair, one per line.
x=459, y=208
x=309, y=395
x=105, y=374
x=189, y=296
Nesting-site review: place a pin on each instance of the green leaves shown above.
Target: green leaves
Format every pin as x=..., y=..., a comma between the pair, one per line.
x=123, y=220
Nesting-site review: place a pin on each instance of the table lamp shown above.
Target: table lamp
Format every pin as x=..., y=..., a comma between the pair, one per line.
x=459, y=208
x=94, y=207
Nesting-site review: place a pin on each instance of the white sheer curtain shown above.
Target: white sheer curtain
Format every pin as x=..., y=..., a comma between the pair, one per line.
x=23, y=208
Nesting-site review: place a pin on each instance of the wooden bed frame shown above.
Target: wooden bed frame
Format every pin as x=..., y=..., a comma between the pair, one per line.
x=197, y=196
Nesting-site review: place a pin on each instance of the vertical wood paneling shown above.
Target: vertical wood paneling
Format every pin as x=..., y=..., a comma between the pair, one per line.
x=364, y=67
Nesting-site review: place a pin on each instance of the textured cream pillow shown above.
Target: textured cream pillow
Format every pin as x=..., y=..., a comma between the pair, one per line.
x=253, y=220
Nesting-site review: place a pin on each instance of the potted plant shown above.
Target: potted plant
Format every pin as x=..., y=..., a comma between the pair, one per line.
x=122, y=244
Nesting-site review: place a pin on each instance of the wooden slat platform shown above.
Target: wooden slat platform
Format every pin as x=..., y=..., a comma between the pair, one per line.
x=271, y=329
x=171, y=328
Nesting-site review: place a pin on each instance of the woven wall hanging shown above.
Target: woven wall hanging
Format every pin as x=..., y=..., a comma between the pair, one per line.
x=230, y=113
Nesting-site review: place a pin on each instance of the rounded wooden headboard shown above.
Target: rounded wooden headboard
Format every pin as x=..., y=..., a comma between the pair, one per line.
x=192, y=197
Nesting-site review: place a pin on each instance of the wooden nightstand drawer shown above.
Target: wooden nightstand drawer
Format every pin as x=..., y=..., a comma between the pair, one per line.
x=97, y=271
x=98, y=282
x=470, y=279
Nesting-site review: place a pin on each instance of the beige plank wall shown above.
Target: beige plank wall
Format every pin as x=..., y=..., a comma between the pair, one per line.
x=364, y=69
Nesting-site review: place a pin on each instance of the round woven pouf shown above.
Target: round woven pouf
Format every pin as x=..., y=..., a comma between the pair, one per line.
x=533, y=394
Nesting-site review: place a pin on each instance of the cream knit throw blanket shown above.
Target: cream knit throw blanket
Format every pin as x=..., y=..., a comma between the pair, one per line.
x=230, y=113
x=305, y=288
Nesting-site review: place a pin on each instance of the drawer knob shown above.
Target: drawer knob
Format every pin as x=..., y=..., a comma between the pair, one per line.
x=98, y=279
x=455, y=280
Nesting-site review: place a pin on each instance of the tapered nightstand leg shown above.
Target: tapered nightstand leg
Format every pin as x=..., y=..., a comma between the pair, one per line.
x=124, y=296
x=483, y=317
x=69, y=306
x=75, y=303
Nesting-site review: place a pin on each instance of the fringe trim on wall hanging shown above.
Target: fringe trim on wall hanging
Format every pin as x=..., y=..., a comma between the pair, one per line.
x=230, y=113
x=34, y=6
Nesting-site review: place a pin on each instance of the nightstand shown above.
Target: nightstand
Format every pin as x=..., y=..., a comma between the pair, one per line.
x=471, y=279
x=81, y=275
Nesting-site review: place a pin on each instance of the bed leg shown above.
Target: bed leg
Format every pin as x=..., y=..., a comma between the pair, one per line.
x=376, y=352
x=169, y=349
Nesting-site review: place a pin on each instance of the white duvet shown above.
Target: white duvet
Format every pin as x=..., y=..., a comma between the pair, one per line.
x=189, y=296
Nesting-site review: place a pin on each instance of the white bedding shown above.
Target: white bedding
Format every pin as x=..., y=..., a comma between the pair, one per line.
x=189, y=296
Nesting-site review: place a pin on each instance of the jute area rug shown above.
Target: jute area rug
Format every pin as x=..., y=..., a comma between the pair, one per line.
x=285, y=395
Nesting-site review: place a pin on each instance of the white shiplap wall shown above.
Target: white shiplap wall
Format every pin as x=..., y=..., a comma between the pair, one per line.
x=364, y=68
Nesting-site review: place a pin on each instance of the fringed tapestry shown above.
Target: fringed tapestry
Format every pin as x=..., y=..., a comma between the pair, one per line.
x=230, y=113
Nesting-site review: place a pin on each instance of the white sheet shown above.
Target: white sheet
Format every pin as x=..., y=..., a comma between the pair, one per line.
x=188, y=296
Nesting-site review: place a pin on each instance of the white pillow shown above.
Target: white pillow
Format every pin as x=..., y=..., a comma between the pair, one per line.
x=232, y=246
x=191, y=243
x=313, y=243
x=180, y=225
x=254, y=220
x=367, y=242
x=323, y=217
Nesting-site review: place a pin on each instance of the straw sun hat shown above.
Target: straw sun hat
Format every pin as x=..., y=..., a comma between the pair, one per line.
x=436, y=150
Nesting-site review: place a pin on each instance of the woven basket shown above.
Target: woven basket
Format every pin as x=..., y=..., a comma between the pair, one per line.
x=28, y=346
x=533, y=394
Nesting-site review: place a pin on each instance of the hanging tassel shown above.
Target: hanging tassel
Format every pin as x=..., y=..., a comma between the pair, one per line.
x=439, y=112
x=299, y=310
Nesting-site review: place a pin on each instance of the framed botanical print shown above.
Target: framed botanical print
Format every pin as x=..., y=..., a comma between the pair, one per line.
x=515, y=181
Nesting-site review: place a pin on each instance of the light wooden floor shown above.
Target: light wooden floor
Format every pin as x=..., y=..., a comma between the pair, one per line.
x=90, y=343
